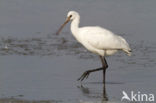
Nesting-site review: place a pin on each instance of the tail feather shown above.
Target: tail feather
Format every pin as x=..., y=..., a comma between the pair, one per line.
x=129, y=51
x=125, y=46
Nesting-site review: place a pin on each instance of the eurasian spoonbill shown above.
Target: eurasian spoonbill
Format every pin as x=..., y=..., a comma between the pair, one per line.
x=97, y=40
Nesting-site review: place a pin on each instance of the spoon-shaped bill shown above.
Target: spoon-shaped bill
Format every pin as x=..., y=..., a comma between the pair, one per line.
x=67, y=20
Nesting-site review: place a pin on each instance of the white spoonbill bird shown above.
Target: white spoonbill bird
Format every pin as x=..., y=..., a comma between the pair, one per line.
x=97, y=40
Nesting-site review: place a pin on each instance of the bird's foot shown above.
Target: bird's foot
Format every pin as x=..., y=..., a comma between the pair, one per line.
x=84, y=75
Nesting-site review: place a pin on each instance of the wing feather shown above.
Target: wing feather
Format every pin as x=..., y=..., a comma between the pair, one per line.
x=102, y=38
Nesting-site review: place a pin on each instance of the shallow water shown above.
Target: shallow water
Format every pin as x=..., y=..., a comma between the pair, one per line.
x=38, y=66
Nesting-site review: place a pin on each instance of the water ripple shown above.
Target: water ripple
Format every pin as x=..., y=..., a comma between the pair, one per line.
x=52, y=45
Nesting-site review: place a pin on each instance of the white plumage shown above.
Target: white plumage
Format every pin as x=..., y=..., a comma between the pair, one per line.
x=96, y=39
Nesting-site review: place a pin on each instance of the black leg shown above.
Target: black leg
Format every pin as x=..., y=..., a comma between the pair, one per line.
x=86, y=73
x=105, y=97
x=104, y=62
x=104, y=67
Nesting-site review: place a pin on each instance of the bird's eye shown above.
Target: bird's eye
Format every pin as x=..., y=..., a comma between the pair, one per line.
x=70, y=16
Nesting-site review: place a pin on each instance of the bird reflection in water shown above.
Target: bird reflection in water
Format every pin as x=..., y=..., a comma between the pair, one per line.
x=91, y=94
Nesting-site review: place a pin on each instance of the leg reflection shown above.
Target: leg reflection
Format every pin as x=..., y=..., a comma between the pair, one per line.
x=105, y=97
x=89, y=93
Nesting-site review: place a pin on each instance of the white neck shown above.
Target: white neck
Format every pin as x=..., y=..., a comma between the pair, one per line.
x=75, y=26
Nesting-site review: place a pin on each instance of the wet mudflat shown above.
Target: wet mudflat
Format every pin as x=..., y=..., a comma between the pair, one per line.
x=36, y=66
x=41, y=69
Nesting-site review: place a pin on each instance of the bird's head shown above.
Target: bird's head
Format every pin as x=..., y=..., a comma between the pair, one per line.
x=70, y=16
